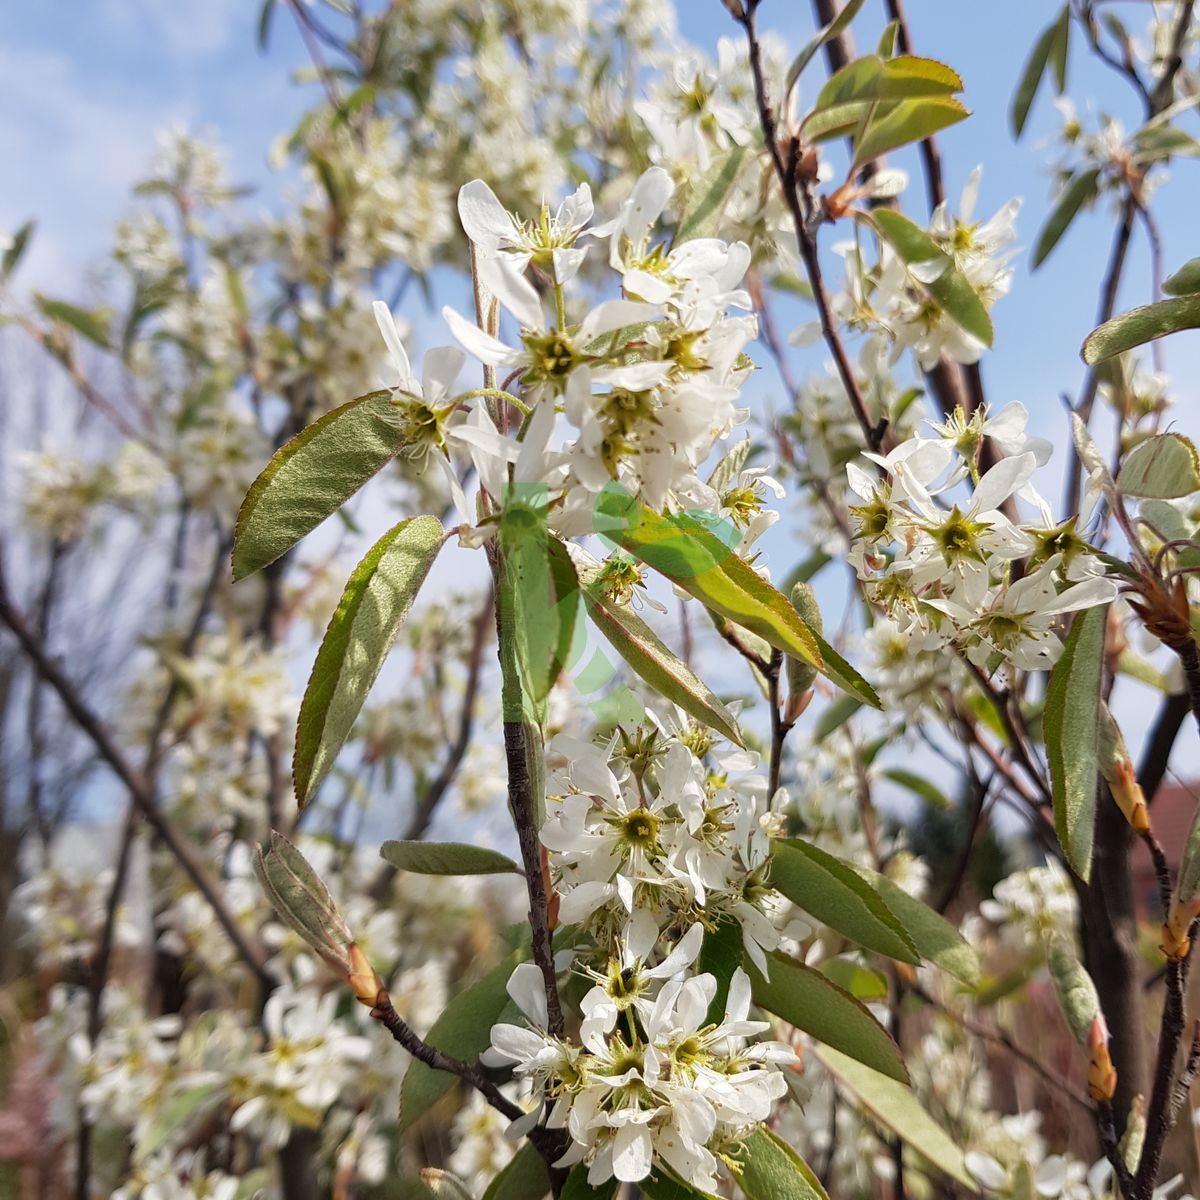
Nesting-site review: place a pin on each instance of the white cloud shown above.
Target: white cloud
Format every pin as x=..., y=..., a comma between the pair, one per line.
x=69, y=159
x=182, y=28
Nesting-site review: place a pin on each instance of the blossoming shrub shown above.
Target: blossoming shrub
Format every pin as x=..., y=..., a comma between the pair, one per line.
x=673, y=943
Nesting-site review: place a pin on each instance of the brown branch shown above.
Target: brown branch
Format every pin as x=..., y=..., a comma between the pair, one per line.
x=549, y=1143
x=979, y=791
x=998, y=1037
x=781, y=725
x=1106, y=1127
x=1189, y=659
x=1159, y=1118
x=521, y=801
x=135, y=783
x=1164, y=89
x=1187, y=1076
x=799, y=200
x=1108, y=305
x=931, y=160
x=1157, y=752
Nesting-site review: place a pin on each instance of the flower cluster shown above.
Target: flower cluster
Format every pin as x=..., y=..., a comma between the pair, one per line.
x=889, y=299
x=944, y=569
x=648, y=382
x=642, y=828
x=647, y=849
x=656, y=1081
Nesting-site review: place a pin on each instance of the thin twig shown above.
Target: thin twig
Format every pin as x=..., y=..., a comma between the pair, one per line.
x=440, y=784
x=548, y=1142
x=787, y=172
x=1108, y=305
x=999, y=1037
x=1107, y=1128
x=249, y=952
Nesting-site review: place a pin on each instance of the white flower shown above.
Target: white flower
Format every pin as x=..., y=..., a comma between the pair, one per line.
x=628, y=981
x=549, y=242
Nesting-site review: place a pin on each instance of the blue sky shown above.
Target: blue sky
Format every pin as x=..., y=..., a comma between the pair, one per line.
x=84, y=84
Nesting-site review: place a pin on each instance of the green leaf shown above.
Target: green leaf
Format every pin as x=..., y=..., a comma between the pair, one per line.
x=173, y=1116
x=662, y=1185
x=311, y=477
x=1059, y=45
x=302, y=901
x=447, y=858
x=809, y=1000
x=16, y=248
x=706, y=204
x=1163, y=467
x=895, y=1107
x=1082, y=189
x=720, y=956
x=771, y=1170
x=881, y=103
x=265, y=13
x=836, y=895
x=804, y=571
x=648, y=656
x=861, y=982
x=89, y=323
x=1166, y=521
x=538, y=597
x=1031, y=77
x=1071, y=723
x=834, y=715
x=1185, y=281
x=1157, y=143
x=1188, y=887
x=578, y=1188
x=377, y=598
x=830, y=31
x=919, y=786
x=693, y=557
x=872, y=78
x=1142, y=670
x=464, y=1031
x=1077, y=994
x=909, y=121
x=950, y=289
x=1141, y=325
x=725, y=473
x=936, y=939
x=887, y=40
x=523, y=1177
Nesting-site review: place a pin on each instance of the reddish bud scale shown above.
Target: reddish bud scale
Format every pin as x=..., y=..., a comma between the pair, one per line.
x=1102, y=1075
x=1176, y=942
x=364, y=980
x=1127, y=792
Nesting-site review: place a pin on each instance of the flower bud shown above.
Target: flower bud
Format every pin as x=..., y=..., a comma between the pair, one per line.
x=443, y=1185
x=1076, y=991
x=1135, y=1132
x=801, y=675
x=1102, y=1075
x=1176, y=940
x=1127, y=792
x=364, y=979
x=302, y=901
x=1117, y=769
